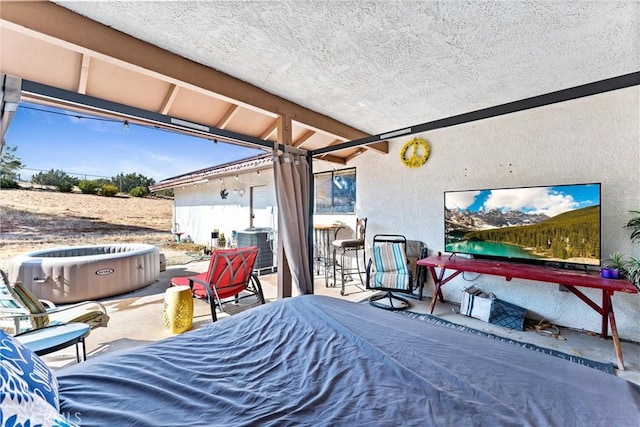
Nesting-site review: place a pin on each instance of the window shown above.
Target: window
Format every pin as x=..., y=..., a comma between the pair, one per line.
x=335, y=192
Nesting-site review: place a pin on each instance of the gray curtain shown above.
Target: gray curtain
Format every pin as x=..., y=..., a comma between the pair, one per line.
x=291, y=173
x=10, y=88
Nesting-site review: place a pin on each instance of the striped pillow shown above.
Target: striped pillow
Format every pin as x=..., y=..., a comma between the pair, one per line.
x=390, y=267
x=390, y=257
x=394, y=280
x=31, y=303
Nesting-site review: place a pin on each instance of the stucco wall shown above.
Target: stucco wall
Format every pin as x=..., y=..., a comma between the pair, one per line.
x=199, y=209
x=593, y=139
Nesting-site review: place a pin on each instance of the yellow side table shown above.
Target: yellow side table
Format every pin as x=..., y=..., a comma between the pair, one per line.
x=178, y=309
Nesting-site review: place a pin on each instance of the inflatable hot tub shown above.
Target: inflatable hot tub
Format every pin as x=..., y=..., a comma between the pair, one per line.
x=79, y=273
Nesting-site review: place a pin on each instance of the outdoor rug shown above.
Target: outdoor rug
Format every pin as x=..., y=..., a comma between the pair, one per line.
x=605, y=367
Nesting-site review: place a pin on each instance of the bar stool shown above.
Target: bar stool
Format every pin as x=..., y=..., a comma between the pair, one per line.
x=347, y=246
x=178, y=309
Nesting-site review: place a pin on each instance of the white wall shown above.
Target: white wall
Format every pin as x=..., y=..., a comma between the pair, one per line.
x=594, y=139
x=199, y=209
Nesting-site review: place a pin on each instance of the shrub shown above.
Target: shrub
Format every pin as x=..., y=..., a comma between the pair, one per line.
x=109, y=190
x=8, y=183
x=138, y=192
x=87, y=186
x=55, y=177
x=129, y=181
x=65, y=187
x=10, y=164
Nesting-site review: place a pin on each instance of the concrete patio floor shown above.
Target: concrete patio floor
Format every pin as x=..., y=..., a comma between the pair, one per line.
x=137, y=319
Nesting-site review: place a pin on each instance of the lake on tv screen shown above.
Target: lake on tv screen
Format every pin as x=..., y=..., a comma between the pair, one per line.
x=490, y=249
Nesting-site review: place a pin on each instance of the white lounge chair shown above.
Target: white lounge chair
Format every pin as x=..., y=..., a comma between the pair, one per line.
x=21, y=311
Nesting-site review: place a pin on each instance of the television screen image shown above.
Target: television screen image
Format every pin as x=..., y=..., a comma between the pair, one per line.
x=559, y=223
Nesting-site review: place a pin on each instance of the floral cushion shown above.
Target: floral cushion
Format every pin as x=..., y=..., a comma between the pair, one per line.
x=24, y=376
x=32, y=410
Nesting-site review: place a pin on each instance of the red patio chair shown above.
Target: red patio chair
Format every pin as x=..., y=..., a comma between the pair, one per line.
x=230, y=274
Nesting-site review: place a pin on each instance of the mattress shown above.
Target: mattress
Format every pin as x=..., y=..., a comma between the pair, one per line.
x=314, y=360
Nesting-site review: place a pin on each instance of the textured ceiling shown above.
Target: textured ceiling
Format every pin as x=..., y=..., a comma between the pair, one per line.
x=384, y=65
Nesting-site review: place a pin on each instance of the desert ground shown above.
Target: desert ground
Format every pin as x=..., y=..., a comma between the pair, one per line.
x=34, y=219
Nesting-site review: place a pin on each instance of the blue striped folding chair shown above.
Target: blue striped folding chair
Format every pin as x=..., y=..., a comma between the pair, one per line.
x=389, y=271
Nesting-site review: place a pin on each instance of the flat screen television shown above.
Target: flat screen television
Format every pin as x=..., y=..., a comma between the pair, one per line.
x=556, y=224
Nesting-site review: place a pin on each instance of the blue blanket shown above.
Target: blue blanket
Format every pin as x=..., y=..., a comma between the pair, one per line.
x=315, y=360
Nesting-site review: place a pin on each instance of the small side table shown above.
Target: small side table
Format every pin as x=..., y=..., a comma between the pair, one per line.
x=53, y=338
x=178, y=309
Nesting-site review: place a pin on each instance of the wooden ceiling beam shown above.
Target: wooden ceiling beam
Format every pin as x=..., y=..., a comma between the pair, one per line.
x=172, y=93
x=333, y=159
x=304, y=138
x=269, y=131
x=284, y=130
x=84, y=74
x=381, y=147
x=355, y=154
x=227, y=116
x=63, y=27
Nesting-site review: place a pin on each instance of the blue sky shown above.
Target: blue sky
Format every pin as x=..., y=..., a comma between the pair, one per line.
x=552, y=200
x=57, y=139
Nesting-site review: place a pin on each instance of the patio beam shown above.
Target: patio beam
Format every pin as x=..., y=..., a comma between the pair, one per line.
x=285, y=279
x=169, y=99
x=84, y=74
x=37, y=92
x=55, y=24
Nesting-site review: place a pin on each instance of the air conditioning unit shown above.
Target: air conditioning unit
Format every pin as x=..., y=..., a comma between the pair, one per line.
x=263, y=239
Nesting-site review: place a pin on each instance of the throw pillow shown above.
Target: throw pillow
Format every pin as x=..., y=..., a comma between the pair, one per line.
x=33, y=411
x=390, y=257
x=32, y=303
x=24, y=375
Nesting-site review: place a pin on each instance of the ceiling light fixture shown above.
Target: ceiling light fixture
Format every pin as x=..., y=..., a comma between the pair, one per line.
x=395, y=133
x=189, y=125
x=126, y=125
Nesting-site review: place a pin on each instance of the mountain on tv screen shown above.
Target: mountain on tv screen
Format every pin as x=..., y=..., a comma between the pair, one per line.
x=539, y=224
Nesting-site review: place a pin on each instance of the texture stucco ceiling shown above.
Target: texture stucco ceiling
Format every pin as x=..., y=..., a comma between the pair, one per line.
x=384, y=65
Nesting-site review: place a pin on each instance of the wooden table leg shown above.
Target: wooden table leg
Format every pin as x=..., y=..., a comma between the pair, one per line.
x=434, y=299
x=606, y=309
x=609, y=316
x=437, y=281
x=616, y=340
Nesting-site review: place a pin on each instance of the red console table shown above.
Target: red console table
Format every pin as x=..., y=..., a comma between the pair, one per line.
x=568, y=278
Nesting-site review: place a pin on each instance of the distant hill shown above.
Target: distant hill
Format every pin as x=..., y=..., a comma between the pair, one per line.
x=574, y=234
